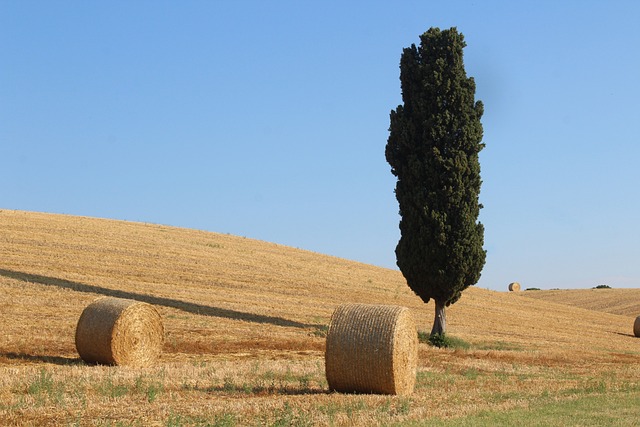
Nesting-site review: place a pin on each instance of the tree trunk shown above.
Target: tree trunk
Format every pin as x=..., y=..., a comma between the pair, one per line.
x=440, y=321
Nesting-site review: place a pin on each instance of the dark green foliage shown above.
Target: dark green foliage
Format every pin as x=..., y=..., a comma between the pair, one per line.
x=423, y=337
x=433, y=146
x=439, y=340
x=532, y=289
x=446, y=341
x=602, y=287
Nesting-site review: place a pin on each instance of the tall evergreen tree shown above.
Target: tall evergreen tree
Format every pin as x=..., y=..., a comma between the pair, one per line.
x=433, y=146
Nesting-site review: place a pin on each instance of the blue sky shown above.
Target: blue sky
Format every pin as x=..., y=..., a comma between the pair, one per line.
x=269, y=120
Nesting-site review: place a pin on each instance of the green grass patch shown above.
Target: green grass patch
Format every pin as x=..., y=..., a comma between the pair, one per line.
x=220, y=420
x=498, y=345
x=612, y=409
x=443, y=341
x=151, y=388
x=449, y=341
x=43, y=387
x=108, y=388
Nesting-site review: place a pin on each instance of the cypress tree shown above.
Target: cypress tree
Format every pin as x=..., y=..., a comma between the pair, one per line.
x=434, y=140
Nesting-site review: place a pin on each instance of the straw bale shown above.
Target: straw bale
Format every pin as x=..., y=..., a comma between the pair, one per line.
x=115, y=331
x=372, y=349
x=514, y=287
x=636, y=327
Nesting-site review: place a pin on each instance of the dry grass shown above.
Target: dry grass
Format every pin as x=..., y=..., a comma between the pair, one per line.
x=245, y=324
x=625, y=302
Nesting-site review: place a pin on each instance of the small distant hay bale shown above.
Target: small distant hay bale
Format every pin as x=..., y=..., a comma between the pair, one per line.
x=372, y=349
x=636, y=327
x=115, y=331
x=514, y=287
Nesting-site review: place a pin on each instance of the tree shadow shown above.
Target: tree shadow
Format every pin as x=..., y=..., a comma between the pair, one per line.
x=56, y=360
x=160, y=301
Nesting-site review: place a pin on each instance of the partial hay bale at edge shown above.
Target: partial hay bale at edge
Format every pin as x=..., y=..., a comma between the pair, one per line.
x=116, y=331
x=636, y=327
x=514, y=287
x=372, y=349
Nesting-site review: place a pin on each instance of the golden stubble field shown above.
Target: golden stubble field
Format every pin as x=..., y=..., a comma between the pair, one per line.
x=245, y=325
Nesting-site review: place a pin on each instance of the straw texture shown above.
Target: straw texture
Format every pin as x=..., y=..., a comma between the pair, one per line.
x=514, y=287
x=636, y=327
x=115, y=331
x=372, y=349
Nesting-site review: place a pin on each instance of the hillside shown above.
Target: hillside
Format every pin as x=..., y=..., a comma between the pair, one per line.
x=625, y=302
x=234, y=307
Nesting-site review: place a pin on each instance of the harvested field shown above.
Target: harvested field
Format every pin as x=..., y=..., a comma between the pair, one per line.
x=245, y=324
x=625, y=302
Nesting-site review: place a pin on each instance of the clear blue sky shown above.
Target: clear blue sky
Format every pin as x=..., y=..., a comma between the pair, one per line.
x=268, y=119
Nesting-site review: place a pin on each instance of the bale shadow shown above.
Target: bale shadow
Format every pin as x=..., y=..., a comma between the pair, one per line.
x=261, y=390
x=56, y=360
x=625, y=335
x=160, y=301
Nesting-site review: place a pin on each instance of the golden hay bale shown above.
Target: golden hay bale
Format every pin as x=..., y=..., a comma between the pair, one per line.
x=636, y=327
x=514, y=287
x=372, y=349
x=115, y=331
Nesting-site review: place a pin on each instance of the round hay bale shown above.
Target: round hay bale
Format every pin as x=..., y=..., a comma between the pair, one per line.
x=372, y=349
x=115, y=331
x=514, y=287
x=636, y=327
